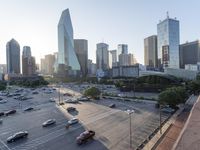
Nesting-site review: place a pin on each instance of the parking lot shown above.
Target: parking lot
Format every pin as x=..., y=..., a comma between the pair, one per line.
x=110, y=124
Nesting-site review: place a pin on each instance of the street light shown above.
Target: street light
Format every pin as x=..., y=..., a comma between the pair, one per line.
x=129, y=113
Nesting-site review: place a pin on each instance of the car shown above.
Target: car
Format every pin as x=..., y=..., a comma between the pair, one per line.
x=1, y=114
x=52, y=100
x=67, y=94
x=10, y=112
x=1, y=98
x=1, y=121
x=167, y=110
x=83, y=99
x=73, y=121
x=28, y=109
x=17, y=136
x=3, y=101
x=85, y=136
x=73, y=101
x=49, y=122
x=71, y=109
x=112, y=105
x=35, y=92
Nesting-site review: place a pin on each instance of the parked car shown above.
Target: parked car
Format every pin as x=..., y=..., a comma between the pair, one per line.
x=3, y=101
x=71, y=101
x=167, y=110
x=1, y=121
x=112, y=105
x=85, y=136
x=83, y=99
x=49, y=122
x=71, y=109
x=28, y=109
x=10, y=112
x=67, y=94
x=52, y=100
x=73, y=121
x=17, y=136
x=35, y=92
x=1, y=114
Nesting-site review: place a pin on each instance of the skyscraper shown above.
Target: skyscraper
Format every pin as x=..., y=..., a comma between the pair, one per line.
x=189, y=53
x=126, y=60
x=102, y=56
x=81, y=49
x=28, y=62
x=67, y=58
x=122, y=49
x=13, y=57
x=114, y=57
x=168, y=43
x=150, y=51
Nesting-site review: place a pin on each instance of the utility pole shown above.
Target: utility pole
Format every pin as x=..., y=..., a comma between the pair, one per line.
x=59, y=95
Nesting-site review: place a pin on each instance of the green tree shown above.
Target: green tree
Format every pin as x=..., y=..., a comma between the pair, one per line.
x=92, y=92
x=173, y=96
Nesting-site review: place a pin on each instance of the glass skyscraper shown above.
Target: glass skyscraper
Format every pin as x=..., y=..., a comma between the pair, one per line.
x=13, y=57
x=168, y=43
x=67, y=58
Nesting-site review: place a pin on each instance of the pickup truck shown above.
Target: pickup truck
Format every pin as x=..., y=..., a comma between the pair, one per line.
x=85, y=136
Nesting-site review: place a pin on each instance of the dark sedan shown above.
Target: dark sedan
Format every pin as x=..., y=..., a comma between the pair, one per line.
x=17, y=136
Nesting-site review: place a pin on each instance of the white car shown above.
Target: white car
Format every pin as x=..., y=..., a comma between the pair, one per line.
x=49, y=122
x=73, y=121
x=3, y=101
x=52, y=100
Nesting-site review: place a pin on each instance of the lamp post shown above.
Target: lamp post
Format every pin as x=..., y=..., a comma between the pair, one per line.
x=130, y=131
x=160, y=118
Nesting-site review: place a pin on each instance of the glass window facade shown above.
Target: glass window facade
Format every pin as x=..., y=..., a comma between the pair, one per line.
x=66, y=53
x=168, y=35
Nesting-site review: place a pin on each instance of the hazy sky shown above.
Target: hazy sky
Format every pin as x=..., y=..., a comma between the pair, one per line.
x=34, y=22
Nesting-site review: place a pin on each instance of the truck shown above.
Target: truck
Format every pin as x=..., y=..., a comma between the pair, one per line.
x=85, y=136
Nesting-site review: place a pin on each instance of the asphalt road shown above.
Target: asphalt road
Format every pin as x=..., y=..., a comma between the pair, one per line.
x=111, y=125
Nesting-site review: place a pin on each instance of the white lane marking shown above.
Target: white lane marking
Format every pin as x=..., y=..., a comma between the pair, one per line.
x=5, y=145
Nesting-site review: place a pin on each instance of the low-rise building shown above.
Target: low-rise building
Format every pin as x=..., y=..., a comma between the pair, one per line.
x=125, y=71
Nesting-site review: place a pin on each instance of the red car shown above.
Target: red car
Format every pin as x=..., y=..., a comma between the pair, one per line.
x=85, y=136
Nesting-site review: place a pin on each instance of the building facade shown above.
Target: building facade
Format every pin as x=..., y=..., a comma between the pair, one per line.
x=81, y=49
x=92, y=68
x=68, y=63
x=189, y=53
x=13, y=57
x=122, y=49
x=28, y=62
x=114, y=58
x=102, y=56
x=126, y=60
x=150, y=51
x=125, y=71
x=168, y=43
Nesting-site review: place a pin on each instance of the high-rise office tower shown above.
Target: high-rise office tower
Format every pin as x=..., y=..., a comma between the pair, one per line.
x=168, y=43
x=126, y=60
x=122, y=49
x=114, y=57
x=102, y=56
x=189, y=53
x=49, y=64
x=150, y=51
x=81, y=49
x=28, y=62
x=68, y=63
x=13, y=57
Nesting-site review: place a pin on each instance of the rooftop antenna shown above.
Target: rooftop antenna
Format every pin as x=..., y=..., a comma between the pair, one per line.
x=167, y=15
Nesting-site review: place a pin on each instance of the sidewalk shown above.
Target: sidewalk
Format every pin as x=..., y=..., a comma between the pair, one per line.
x=171, y=129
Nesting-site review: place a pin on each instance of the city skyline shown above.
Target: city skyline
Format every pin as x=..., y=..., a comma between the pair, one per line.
x=37, y=29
